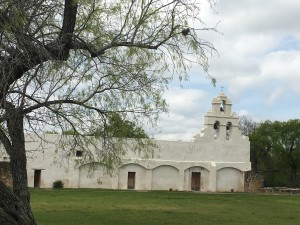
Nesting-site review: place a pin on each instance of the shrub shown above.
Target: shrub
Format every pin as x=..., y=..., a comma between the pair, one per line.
x=58, y=184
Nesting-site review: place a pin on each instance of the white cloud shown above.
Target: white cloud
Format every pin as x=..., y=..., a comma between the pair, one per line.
x=283, y=66
x=275, y=95
x=255, y=16
x=185, y=117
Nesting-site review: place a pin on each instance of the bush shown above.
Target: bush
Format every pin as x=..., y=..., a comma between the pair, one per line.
x=58, y=184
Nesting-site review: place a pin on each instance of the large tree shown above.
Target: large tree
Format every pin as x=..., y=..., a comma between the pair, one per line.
x=280, y=141
x=70, y=64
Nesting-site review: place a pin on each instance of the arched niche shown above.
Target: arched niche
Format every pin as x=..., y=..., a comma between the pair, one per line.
x=95, y=175
x=196, y=178
x=132, y=176
x=230, y=179
x=165, y=177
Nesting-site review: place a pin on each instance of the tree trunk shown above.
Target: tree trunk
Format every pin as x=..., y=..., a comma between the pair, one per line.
x=13, y=211
x=15, y=206
x=293, y=176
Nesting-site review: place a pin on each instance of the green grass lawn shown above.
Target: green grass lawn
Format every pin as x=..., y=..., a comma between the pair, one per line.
x=107, y=207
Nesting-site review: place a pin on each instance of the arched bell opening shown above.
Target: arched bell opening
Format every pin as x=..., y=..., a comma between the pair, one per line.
x=216, y=129
x=222, y=106
x=228, y=130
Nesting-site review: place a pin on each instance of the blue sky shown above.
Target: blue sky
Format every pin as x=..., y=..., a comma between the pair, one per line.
x=258, y=66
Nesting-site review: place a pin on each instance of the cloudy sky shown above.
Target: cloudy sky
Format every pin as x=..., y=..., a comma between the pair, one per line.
x=258, y=66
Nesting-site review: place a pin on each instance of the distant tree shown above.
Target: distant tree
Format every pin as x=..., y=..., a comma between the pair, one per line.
x=67, y=65
x=115, y=126
x=247, y=127
x=262, y=159
x=281, y=141
x=121, y=128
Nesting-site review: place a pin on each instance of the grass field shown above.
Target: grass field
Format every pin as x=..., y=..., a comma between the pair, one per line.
x=106, y=207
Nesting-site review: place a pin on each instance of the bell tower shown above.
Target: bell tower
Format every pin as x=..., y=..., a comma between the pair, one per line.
x=220, y=122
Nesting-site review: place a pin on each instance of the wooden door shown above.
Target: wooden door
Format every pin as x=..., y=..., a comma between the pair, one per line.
x=195, y=182
x=37, y=178
x=131, y=180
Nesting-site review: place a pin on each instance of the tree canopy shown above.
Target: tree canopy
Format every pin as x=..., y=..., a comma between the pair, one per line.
x=279, y=146
x=117, y=127
x=70, y=64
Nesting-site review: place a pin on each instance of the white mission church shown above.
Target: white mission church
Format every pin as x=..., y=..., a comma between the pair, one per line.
x=215, y=161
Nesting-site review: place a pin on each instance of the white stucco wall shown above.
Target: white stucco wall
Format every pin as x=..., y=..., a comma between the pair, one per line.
x=230, y=180
x=170, y=167
x=165, y=177
x=94, y=175
x=42, y=155
x=221, y=160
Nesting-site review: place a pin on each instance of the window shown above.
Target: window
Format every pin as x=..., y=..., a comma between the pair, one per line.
x=79, y=153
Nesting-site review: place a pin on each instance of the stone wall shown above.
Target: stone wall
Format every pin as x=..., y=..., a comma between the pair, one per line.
x=253, y=182
x=280, y=190
x=5, y=175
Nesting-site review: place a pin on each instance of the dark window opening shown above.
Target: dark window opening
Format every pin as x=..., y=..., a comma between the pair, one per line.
x=79, y=153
